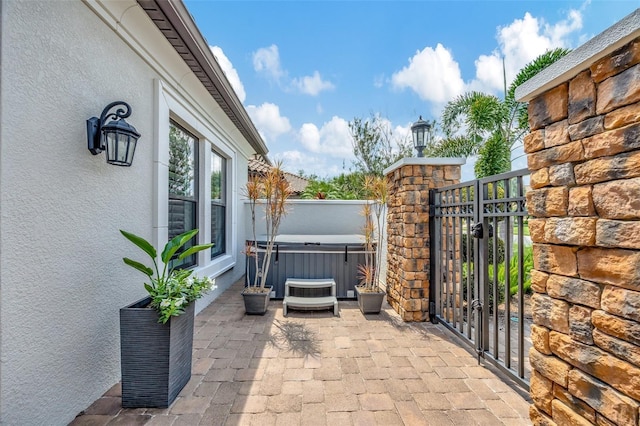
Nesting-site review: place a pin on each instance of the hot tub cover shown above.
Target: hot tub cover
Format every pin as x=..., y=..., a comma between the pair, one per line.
x=342, y=239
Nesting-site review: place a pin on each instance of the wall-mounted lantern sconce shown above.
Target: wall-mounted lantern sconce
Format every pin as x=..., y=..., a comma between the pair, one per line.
x=421, y=131
x=118, y=138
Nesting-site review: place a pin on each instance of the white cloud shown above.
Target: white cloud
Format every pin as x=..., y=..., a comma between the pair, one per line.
x=489, y=74
x=268, y=120
x=402, y=133
x=398, y=133
x=333, y=138
x=319, y=108
x=378, y=81
x=294, y=161
x=435, y=76
x=312, y=85
x=230, y=72
x=309, y=135
x=432, y=73
x=267, y=60
x=519, y=43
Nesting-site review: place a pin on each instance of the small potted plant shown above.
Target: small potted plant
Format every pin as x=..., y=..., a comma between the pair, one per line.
x=156, y=332
x=272, y=191
x=369, y=294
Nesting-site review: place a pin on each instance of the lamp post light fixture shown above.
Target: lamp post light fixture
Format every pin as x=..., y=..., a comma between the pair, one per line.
x=421, y=131
x=118, y=138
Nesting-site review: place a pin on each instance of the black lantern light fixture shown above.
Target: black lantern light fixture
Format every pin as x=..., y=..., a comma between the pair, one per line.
x=421, y=131
x=117, y=137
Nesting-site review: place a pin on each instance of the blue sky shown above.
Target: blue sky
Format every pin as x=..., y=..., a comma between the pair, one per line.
x=304, y=69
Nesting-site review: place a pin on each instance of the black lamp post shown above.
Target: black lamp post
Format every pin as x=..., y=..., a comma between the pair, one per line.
x=118, y=138
x=421, y=131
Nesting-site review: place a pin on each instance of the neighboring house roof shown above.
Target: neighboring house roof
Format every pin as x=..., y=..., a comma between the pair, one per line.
x=297, y=183
x=175, y=22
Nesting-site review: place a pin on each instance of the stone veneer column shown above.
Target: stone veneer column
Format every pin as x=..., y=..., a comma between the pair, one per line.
x=408, y=230
x=584, y=154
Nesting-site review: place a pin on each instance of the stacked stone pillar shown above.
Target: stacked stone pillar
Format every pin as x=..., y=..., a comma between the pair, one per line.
x=408, y=278
x=584, y=155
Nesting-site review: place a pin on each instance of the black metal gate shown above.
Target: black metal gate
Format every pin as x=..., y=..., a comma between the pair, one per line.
x=481, y=257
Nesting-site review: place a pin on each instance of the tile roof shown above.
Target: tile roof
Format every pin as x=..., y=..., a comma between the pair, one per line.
x=297, y=183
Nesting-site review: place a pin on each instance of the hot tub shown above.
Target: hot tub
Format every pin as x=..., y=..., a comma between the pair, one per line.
x=312, y=256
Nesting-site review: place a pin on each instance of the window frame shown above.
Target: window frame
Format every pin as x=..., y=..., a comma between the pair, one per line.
x=222, y=203
x=170, y=106
x=194, y=200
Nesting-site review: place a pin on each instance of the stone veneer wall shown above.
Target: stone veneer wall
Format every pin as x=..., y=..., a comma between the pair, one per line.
x=584, y=154
x=408, y=235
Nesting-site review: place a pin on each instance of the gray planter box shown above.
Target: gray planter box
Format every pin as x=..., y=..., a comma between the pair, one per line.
x=155, y=357
x=370, y=303
x=256, y=303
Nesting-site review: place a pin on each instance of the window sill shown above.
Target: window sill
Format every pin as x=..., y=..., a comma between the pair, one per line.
x=216, y=267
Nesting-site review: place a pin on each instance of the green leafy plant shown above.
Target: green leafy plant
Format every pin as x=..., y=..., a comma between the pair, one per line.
x=527, y=266
x=171, y=290
x=500, y=276
x=482, y=124
x=499, y=244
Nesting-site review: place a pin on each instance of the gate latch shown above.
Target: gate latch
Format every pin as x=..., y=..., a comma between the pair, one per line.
x=477, y=231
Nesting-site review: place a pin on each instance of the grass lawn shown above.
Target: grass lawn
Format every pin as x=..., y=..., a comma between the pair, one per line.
x=525, y=228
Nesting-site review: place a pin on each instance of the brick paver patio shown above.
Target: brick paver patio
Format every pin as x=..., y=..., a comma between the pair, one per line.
x=312, y=368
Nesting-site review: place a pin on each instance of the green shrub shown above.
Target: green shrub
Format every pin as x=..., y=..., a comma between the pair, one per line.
x=500, y=250
x=500, y=277
x=527, y=266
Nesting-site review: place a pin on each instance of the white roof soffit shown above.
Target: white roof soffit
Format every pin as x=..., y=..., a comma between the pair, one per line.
x=581, y=58
x=177, y=25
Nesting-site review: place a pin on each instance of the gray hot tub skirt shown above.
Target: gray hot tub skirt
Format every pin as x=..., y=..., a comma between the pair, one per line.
x=312, y=256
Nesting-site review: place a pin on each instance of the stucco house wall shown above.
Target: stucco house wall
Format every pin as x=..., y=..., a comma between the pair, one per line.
x=62, y=279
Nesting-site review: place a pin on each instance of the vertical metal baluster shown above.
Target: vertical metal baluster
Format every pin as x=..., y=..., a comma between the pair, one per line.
x=470, y=243
x=454, y=246
x=481, y=270
x=494, y=281
x=520, y=279
x=507, y=275
x=438, y=244
x=446, y=260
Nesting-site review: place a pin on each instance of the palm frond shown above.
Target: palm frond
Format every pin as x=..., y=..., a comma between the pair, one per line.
x=456, y=146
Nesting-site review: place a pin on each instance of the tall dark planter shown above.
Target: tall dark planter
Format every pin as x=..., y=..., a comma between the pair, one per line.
x=370, y=302
x=155, y=357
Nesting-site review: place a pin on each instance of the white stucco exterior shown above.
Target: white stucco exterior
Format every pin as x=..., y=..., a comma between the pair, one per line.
x=62, y=280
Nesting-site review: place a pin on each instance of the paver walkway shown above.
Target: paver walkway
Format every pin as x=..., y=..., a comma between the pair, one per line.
x=312, y=368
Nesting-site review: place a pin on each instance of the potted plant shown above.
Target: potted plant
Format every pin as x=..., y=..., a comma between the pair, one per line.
x=272, y=191
x=156, y=332
x=369, y=294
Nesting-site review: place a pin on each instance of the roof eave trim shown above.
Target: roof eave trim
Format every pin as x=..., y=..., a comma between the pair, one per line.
x=183, y=23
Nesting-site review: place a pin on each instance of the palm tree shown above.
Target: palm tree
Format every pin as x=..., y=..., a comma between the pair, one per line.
x=477, y=123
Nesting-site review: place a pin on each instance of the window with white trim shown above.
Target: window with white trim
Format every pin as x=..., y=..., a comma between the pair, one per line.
x=218, y=203
x=196, y=164
x=183, y=189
